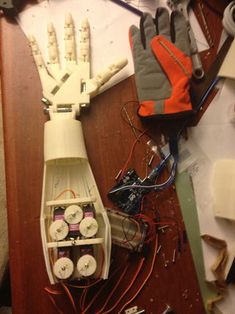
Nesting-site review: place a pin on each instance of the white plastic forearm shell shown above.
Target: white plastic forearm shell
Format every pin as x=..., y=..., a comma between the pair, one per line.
x=63, y=138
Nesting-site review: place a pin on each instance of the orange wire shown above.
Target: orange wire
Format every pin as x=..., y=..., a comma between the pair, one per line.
x=66, y=190
x=151, y=230
x=131, y=152
x=83, y=298
x=128, y=287
x=145, y=280
x=113, y=290
x=85, y=286
x=151, y=223
x=101, y=289
x=68, y=293
x=55, y=305
x=51, y=292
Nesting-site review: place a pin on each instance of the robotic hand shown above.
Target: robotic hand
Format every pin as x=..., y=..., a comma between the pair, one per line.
x=73, y=248
x=69, y=89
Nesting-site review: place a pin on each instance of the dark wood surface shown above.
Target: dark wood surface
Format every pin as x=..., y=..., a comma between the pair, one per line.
x=108, y=139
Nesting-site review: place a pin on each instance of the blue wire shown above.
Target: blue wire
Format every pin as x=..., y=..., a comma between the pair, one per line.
x=155, y=187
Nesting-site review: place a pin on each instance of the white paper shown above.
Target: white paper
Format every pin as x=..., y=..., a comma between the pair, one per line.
x=201, y=41
x=211, y=140
x=228, y=66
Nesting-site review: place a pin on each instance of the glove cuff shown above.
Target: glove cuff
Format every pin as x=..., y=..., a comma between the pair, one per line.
x=177, y=104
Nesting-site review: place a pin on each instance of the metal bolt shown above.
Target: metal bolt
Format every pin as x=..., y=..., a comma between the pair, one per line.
x=168, y=310
x=45, y=101
x=46, y=110
x=173, y=257
x=159, y=248
x=165, y=261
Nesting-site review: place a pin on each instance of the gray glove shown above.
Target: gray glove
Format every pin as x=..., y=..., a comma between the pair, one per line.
x=162, y=64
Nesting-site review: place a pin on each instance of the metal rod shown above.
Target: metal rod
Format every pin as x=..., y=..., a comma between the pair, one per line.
x=128, y=7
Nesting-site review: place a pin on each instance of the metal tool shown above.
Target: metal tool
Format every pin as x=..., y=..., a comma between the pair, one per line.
x=128, y=6
x=182, y=6
x=199, y=92
x=9, y=7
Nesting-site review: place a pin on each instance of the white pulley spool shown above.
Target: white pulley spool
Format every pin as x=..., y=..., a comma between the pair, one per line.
x=73, y=214
x=63, y=268
x=88, y=227
x=229, y=19
x=58, y=230
x=86, y=265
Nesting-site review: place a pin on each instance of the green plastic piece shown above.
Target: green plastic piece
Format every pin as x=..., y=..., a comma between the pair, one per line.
x=189, y=213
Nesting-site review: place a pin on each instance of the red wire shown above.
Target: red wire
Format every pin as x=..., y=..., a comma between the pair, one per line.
x=113, y=290
x=64, y=191
x=54, y=304
x=70, y=297
x=68, y=293
x=51, y=292
x=151, y=233
x=131, y=153
x=146, y=279
x=164, y=223
x=83, y=298
x=128, y=287
x=101, y=290
x=85, y=286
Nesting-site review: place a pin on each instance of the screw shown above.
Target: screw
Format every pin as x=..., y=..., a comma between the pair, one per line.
x=173, y=257
x=159, y=248
x=165, y=261
x=168, y=310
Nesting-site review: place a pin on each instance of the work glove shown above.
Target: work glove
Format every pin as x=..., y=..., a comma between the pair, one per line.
x=161, y=55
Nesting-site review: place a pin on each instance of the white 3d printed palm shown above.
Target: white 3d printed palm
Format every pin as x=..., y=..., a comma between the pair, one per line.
x=75, y=229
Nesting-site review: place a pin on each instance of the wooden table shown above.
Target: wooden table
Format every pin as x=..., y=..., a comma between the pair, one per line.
x=108, y=139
